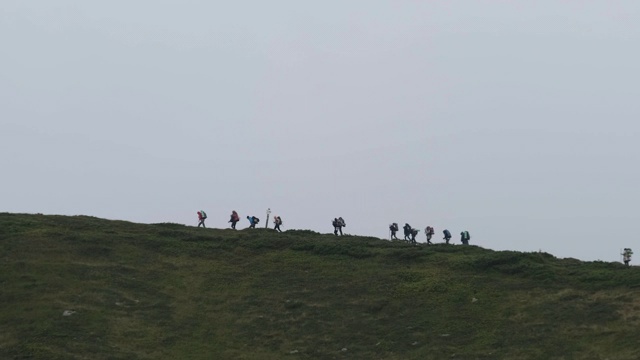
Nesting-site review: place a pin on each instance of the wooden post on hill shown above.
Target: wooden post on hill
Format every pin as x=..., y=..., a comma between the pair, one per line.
x=266, y=223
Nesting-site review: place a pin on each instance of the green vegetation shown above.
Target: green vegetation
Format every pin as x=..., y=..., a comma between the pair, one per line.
x=168, y=291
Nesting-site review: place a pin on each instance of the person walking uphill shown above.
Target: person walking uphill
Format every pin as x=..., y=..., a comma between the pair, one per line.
x=626, y=256
x=234, y=219
x=414, y=233
x=253, y=221
x=338, y=224
x=201, y=217
x=447, y=235
x=407, y=232
x=278, y=221
x=393, y=228
x=465, y=237
x=429, y=232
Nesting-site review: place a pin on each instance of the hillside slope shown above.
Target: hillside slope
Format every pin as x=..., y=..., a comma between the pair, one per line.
x=169, y=291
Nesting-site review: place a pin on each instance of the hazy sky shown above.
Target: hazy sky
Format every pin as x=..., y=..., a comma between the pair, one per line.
x=516, y=121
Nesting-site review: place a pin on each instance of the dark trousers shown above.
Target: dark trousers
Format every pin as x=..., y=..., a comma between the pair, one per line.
x=233, y=225
x=337, y=229
x=277, y=227
x=393, y=235
x=201, y=223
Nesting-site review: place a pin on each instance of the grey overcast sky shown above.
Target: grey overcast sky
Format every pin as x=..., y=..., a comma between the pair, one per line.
x=514, y=120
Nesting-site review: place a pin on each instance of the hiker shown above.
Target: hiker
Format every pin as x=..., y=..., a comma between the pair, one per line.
x=201, y=217
x=414, y=232
x=234, y=219
x=447, y=235
x=626, y=256
x=393, y=228
x=253, y=221
x=278, y=221
x=338, y=224
x=465, y=237
x=407, y=231
x=429, y=232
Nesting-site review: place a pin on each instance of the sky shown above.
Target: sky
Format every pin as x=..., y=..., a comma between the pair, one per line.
x=516, y=121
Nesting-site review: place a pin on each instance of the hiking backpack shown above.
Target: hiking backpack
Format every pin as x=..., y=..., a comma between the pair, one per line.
x=204, y=214
x=447, y=234
x=341, y=222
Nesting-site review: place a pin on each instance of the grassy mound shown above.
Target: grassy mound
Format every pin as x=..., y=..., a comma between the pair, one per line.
x=168, y=291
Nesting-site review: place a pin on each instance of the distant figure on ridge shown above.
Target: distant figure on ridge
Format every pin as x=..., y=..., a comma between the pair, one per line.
x=407, y=231
x=393, y=228
x=429, y=232
x=278, y=221
x=234, y=219
x=626, y=256
x=465, y=237
x=338, y=224
x=253, y=221
x=447, y=235
x=414, y=233
x=201, y=217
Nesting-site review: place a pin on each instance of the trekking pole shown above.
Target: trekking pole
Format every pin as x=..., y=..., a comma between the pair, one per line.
x=266, y=223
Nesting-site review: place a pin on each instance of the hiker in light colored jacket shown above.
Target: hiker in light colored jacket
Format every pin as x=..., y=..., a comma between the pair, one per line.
x=429, y=232
x=277, y=221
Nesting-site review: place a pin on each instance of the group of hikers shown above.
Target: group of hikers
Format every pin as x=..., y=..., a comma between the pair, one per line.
x=411, y=233
x=338, y=223
x=235, y=218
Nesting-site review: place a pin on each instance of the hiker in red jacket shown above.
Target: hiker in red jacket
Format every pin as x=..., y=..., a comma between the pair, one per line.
x=201, y=217
x=234, y=219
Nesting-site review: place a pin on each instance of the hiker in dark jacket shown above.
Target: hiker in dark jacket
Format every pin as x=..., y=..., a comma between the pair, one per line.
x=407, y=232
x=414, y=232
x=626, y=256
x=234, y=219
x=393, y=228
x=465, y=237
x=278, y=221
x=338, y=224
x=447, y=235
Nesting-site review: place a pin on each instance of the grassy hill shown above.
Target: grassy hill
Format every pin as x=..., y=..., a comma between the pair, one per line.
x=168, y=291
